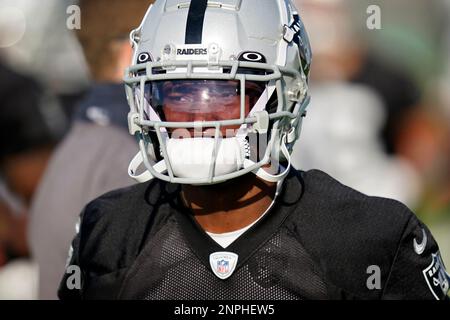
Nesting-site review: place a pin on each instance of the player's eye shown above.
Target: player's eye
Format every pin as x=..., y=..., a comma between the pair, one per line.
x=179, y=98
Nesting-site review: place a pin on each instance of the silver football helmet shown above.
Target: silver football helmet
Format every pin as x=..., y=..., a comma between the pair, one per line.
x=217, y=89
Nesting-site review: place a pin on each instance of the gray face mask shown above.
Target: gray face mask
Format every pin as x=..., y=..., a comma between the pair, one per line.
x=192, y=153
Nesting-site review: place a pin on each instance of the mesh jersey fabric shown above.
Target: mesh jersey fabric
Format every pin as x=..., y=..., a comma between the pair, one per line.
x=273, y=272
x=318, y=242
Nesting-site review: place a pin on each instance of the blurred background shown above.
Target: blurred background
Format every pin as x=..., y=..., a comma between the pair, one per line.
x=379, y=120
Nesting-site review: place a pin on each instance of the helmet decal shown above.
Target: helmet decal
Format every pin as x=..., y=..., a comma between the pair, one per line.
x=194, y=25
x=302, y=41
x=144, y=57
x=252, y=56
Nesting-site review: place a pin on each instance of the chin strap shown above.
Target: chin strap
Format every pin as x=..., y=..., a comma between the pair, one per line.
x=263, y=174
x=146, y=175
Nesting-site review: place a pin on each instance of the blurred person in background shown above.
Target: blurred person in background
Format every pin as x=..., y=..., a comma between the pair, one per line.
x=425, y=138
x=423, y=134
x=369, y=98
x=397, y=141
x=94, y=156
x=30, y=43
x=27, y=140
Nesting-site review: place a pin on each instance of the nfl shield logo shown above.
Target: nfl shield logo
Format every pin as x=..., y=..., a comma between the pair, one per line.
x=223, y=264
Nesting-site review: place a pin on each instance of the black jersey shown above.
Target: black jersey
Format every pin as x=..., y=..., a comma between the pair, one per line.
x=321, y=240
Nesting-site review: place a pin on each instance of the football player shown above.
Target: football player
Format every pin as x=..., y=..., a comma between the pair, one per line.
x=218, y=91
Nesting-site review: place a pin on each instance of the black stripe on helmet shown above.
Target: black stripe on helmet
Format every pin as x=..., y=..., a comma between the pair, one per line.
x=194, y=26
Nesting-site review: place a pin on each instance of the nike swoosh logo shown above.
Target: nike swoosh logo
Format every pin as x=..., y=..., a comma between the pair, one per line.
x=420, y=248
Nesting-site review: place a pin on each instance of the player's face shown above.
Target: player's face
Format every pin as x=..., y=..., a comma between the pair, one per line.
x=204, y=100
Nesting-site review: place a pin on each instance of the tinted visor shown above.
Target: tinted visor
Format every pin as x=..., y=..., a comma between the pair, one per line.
x=201, y=100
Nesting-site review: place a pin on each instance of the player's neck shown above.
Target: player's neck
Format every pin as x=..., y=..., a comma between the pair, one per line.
x=229, y=206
